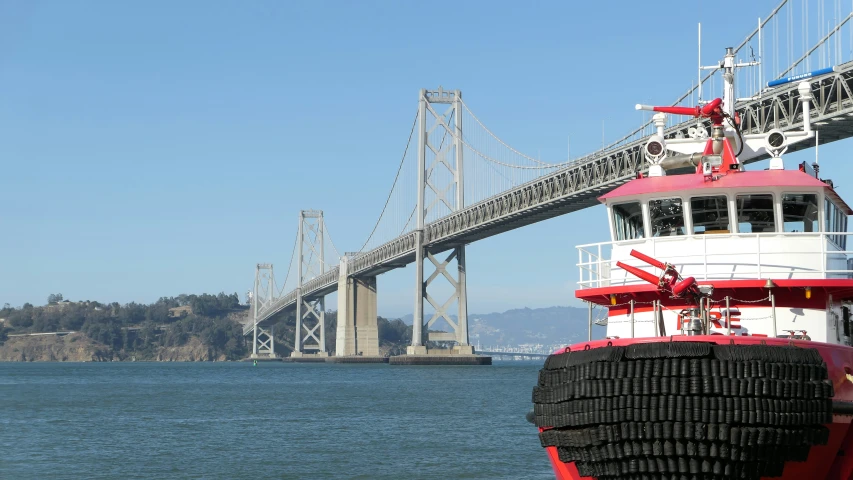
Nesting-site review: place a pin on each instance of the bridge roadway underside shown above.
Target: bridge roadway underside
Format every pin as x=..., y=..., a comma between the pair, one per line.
x=578, y=185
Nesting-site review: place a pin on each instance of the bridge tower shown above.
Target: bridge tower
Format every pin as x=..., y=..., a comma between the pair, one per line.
x=440, y=192
x=310, y=311
x=262, y=296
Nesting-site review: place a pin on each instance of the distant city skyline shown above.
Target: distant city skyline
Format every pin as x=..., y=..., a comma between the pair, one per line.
x=165, y=148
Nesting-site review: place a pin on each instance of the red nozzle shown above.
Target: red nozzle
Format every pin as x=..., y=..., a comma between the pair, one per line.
x=654, y=280
x=651, y=261
x=707, y=111
x=691, y=111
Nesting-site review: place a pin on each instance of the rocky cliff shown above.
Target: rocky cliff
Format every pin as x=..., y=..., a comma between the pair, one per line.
x=75, y=347
x=193, y=351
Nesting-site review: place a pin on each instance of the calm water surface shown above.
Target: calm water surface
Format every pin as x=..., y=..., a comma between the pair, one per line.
x=236, y=421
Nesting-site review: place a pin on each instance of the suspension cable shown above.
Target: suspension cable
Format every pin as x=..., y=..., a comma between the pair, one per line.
x=543, y=166
x=396, y=177
x=546, y=165
x=329, y=235
x=429, y=175
x=289, y=266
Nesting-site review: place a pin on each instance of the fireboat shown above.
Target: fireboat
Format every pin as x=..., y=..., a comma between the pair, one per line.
x=728, y=291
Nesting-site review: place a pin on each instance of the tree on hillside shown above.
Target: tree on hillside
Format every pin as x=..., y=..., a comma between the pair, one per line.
x=22, y=318
x=54, y=298
x=131, y=314
x=72, y=318
x=45, y=321
x=393, y=331
x=104, y=330
x=210, y=305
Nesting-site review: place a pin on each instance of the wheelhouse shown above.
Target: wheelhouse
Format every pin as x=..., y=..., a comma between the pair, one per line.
x=746, y=203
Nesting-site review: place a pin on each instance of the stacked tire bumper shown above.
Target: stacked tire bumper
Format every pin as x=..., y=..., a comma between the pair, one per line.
x=683, y=410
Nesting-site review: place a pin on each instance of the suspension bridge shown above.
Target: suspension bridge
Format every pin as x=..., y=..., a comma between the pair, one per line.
x=458, y=182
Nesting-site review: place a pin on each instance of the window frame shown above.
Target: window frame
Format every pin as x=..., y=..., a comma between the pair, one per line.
x=781, y=220
x=689, y=203
x=644, y=213
x=835, y=222
x=684, y=216
x=776, y=210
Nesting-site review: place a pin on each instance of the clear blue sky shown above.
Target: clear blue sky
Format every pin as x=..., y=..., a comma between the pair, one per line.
x=155, y=148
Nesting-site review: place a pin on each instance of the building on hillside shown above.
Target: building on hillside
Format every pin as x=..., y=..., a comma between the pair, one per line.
x=181, y=312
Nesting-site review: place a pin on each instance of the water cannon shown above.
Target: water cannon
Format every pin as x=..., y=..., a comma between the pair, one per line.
x=712, y=110
x=669, y=280
x=710, y=156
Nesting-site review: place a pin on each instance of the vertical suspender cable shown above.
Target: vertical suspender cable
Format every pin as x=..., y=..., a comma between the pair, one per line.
x=790, y=42
x=803, y=27
x=775, y=45
x=808, y=60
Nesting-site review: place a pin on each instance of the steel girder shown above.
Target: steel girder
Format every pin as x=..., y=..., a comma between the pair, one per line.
x=832, y=104
x=578, y=185
x=313, y=311
x=263, y=343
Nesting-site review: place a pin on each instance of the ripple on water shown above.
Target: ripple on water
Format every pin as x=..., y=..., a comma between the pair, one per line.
x=235, y=421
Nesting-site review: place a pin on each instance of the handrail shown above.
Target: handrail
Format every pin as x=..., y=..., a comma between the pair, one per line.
x=597, y=267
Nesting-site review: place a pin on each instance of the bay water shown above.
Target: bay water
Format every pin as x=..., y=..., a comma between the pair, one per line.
x=275, y=420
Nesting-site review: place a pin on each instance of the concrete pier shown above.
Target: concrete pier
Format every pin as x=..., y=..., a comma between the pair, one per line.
x=260, y=359
x=358, y=332
x=301, y=357
x=458, y=355
x=357, y=359
x=440, y=359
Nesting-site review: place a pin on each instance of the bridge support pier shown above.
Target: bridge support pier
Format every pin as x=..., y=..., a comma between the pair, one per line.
x=420, y=330
x=263, y=345
x=358, y=331
x=310, y=321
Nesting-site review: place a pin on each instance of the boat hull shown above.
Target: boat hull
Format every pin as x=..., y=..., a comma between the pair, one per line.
x=832, y=461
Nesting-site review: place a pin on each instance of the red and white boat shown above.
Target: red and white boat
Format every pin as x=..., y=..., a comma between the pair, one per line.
x=728, y=347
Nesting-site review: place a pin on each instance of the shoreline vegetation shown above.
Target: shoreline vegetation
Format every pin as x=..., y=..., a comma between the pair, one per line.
x=184, y=328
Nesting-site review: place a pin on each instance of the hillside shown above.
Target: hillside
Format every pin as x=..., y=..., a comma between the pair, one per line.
x=184, y=328
x=187, y=327
x=209, y=327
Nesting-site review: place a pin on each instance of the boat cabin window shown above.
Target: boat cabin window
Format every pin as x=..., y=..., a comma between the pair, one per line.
x=755, y=213
x=666, y=217
x=710, y=214
x=799, y=212
x=836, y=221
x=628, y=221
